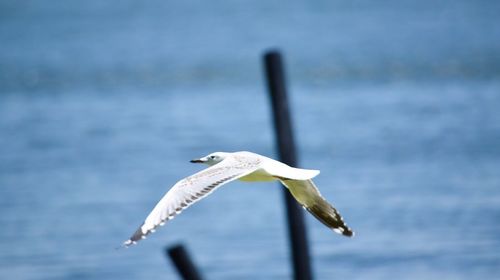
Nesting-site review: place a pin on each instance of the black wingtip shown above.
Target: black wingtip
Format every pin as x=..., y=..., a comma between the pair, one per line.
x=348, y=233
x=345, y=231
x=138, y=235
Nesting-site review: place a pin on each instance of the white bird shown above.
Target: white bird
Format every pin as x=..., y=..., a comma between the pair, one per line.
x=245, y=166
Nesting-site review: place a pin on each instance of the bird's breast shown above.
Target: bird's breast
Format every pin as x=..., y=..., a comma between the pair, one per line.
x=258, y=176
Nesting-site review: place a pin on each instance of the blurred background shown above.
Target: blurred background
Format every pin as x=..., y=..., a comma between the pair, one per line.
x=102, y=104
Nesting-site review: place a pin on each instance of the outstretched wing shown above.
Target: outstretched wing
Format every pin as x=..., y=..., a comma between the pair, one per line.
x=189, y=190
x=308, y=195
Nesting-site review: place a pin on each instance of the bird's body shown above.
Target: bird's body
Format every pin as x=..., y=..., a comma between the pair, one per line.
x=245, y=166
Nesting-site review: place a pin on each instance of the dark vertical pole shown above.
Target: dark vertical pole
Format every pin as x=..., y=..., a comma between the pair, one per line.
x=183, y=262
x=286, y=146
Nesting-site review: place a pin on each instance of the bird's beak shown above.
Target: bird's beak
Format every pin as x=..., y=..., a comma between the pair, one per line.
x=198, y=160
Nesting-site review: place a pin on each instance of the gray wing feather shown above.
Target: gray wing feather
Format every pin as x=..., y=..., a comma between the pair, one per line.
x=308, y=195
x=189, y=190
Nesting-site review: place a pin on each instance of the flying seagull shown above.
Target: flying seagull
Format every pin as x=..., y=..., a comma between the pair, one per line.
x=245, y=166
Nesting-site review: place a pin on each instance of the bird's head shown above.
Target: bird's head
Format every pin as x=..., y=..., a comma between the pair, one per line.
x=211, y=159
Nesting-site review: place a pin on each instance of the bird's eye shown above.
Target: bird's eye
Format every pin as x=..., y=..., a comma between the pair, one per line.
x=212, y=157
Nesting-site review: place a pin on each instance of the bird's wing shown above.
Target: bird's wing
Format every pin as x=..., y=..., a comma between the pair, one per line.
x=191, y=189
x=308, y=195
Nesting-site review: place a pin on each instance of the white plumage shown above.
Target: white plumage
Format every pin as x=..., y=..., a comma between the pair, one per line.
x=245, y=166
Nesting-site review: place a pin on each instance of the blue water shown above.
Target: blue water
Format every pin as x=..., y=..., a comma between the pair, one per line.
x=102, y=104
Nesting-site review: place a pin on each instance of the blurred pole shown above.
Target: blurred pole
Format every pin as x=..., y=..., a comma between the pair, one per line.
x=286, y=146
x=183, y=262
